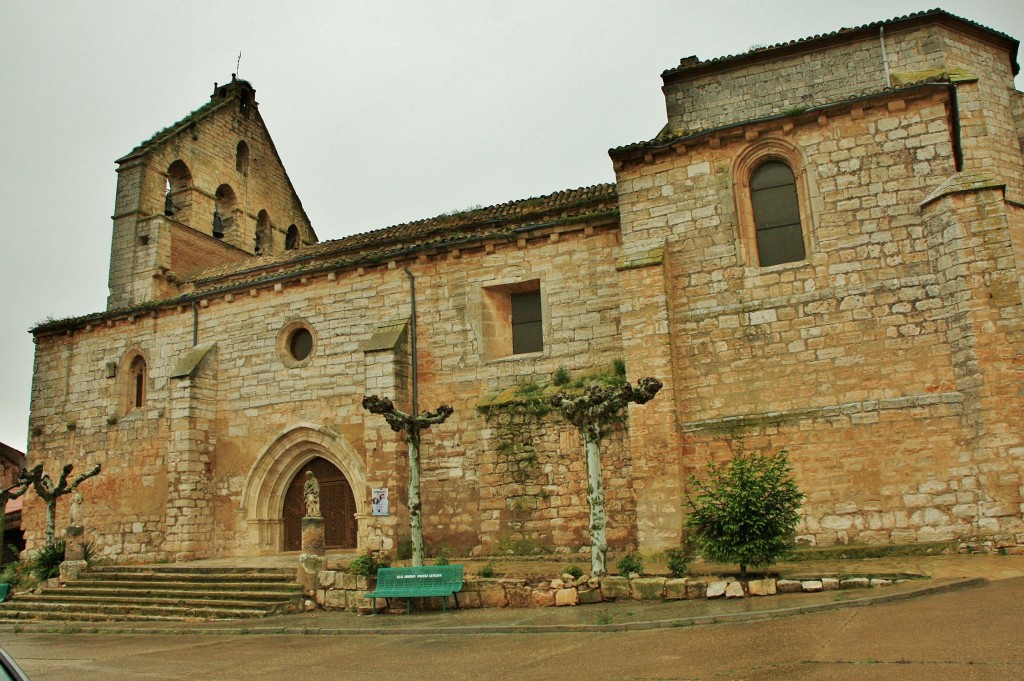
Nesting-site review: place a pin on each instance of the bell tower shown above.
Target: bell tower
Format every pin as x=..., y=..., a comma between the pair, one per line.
x=206, y=191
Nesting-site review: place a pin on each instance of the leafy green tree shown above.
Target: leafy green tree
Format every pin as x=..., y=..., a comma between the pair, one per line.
x=745, y=510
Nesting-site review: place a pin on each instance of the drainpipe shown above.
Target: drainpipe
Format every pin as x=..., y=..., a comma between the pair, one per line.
x=195, y=324
x=954, y=124
x=412, y=330
x=885, y=59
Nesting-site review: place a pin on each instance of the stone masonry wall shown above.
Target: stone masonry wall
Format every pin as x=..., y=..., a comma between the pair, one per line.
x=845, y=358
x=713, y=96
x=252, y=402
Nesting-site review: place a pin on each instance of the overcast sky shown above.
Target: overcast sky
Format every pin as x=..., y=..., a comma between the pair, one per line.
x=383, y=112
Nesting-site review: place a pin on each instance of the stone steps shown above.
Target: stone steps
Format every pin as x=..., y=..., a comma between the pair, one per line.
x=161, y=593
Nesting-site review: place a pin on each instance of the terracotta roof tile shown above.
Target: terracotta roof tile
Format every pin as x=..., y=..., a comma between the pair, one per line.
x=443, y=228
x=694, y=64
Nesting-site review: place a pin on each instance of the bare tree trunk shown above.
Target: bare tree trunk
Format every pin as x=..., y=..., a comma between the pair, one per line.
x=595, y=497
x=51, y=520
x=415, y=507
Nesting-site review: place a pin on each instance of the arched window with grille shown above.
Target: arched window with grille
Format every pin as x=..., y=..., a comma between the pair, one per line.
x=773, y=193
x=776, y=208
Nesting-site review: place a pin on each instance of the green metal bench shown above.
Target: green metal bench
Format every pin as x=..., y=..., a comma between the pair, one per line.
x=3, y=592
x=415, y=582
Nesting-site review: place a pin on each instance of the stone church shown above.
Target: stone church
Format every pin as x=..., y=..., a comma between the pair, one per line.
x=822, y=250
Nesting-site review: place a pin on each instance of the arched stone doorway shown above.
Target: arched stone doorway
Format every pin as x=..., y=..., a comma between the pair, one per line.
x=284, y=460
x=337, y=505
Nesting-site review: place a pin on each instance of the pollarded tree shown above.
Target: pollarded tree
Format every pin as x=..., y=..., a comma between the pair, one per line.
x=50, y=492
x=746, y=510
x=412, y=425
x=592, y=412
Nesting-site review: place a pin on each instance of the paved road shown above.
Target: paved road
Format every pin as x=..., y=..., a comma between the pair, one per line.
x=970, y=634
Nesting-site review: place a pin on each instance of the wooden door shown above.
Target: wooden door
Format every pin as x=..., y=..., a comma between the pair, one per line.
x=337, y=505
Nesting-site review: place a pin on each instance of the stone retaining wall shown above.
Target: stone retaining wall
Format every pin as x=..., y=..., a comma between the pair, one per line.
x=336, y=590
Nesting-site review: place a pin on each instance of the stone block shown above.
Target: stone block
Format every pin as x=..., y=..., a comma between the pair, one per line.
x=829, y=583
x=492, y=595
x=647, y=588
x=811, y=585
x=881, y=582
x=337, y=599
x=519, y=596
x=325, y=579
x=716, y=589
x=734, y=590
x=696, y=590
x=614, y=588
x=589, y=596
x=542, y=599
x=788, y=586
x=675, y=589
x=855, y=583
x=566, y=597
x=71, y=569
x=761, y=587
x=470, y=599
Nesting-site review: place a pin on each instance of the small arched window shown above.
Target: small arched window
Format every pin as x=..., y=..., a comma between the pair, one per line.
x=776, y=208
x=291, y=239
x=223, y=212
x=242, y=157
x=136, y=388
x=177, y=198
x=263, y=234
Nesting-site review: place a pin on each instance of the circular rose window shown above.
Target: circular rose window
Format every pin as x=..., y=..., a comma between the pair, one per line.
x=296, y=344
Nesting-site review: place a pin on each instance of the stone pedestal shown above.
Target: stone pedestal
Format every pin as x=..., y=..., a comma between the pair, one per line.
x=313, y=557
x=74, y=542
x=74, y=554
x=71, y=569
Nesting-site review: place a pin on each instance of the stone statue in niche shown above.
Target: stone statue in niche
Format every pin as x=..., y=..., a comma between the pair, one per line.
x=76, y=509
x=311, y=491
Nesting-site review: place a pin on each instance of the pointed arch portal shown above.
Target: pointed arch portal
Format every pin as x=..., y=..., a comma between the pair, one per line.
x=337, y=505
x=270, y=510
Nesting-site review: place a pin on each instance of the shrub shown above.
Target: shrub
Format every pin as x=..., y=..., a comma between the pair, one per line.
x=9, y=573
x=364, y=566
x=46, y=562
x=561, y=376
x=487, y=571
x=575, y=570
x=745, y=511
x=631, y=562
x=443, y=557
x=676, y=559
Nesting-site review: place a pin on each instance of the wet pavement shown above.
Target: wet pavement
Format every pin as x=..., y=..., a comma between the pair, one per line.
x=937, y=574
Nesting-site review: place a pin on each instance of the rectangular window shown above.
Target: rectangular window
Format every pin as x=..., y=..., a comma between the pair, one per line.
x=527, y=329
x=513, y=319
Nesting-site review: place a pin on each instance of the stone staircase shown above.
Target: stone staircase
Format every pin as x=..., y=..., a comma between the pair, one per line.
x=161, y=593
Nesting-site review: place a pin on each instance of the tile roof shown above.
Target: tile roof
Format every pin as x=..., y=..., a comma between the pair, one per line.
x=690, y=64
x=441, y=229
x=501, y=220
